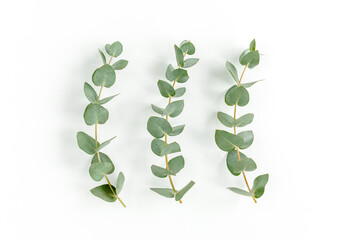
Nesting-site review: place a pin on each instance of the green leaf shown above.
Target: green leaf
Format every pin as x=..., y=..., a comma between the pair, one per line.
x=228, y=121
x=158, y=127
x=179, y=56
x=157, y=109
x=227, y=141
x=190, y=62
x=102, y=56
x=157, y=146
x=246, y=51
x=177, y=130
x=170, y=148
x=104, y=144
x=237, y=95
x=86, y=143
x=179, y=92
x=253, y=45
x=103, y=158
x=231, y=68
x=107, y=99
x=104, y=192
x=98, y=170
x=104, y=75
x=179, y=75
x=249, y=84
x=174, y=109
x=166, y=192
x=184, y=190
x=121, y=64
x=160, y=172
x=95, y=113
x=245, y=164
x=225, y=119
x=240, y=191
x=114, y=49
x=187, y=47
x=166, y=90
x=169, y=69
x=248, y=137
x=90, y=93
x=120, y=182
x=259, y=185
x=244, y=120
x=176, y=164
x=231, y=159
x=250, y=58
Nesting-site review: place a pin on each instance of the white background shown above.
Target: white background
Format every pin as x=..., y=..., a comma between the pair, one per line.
x=306, y=122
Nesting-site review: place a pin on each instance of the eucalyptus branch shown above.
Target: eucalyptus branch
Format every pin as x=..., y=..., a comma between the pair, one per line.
x=159, y=127
x=95, y=114
x=237, y=162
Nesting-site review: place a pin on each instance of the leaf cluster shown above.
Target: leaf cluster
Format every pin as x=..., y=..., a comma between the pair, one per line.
x=95, y=113
x=238, y=95
x=159, y=127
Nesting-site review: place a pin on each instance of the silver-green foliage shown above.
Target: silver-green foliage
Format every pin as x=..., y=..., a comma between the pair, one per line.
x=159, y=127
x=95, y=113
x=238, y=95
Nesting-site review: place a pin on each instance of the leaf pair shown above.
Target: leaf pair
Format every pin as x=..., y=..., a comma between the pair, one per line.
x=158, y=127
x=161, y=149
x=229, y=121
x=227, y=141
x=88, y=144
x=258, y=188
x=92, y=96
x=173, y=109
x=108, y=192
x=175, y=165
x=236, y=165
x=169, y=193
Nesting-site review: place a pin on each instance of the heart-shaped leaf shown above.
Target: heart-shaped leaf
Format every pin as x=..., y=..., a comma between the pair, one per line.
x=179, y=92
x=104, y=75
x=166, y=192
x=179, y=195
x=114, y=49
x=190, y=62
x=95, y=113
x=227, y=141
x=160, y=172
x=119, y=65
x=176, y=164
x=187, y=47
x=179, y=75
x=90, y=93
x=248, y=137
x=98, y=170
x=231, y=68
x=260, y=182
x=158, y=127
x=174, y=109
x=240, y=191
x=86, y=143
x=237, y=95
x=103, y=158
x=120, y=182
x=166, y=90
x=179, y=56
x=245, y=164
x=231, y=159
x=104, y=192
x=251, y=59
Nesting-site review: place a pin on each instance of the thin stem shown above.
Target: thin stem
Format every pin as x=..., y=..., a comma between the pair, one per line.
x=237, y=149
x=111, y=59
x=98, y=154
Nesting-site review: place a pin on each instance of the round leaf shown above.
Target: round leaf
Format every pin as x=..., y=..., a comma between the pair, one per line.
x=179, y=75
x=187, y=47
x=231, y=159
x=103, y=158
x=95, y=113
x=174, y=109
x=245, y=164
x=158, y=127
x=248, y=137
x=98, y=170
x=104, y=75
x=114, y=49
x=166, y=90
x=157, y=146
x=237, y=95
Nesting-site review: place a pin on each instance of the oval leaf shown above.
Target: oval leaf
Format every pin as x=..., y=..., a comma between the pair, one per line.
x=98, y=170
x=231, y=68
x=157, y=109
x=160, y=172
x=104, y=192
x=244, y=120
x=166, y=192
x=227, y=141
x=259, y=185
x=187, y=47
x=158, y=127
x=157, y=146
x=179, y=56
x=174, y=109
x=177, y=130
x=179, y=75
x=169, y=70
x=190, y=62
x=170, y=148
x=166, y=90
x=231, y=159
x=86, y=143
x=179, y=92
x=90, y=93
x=245, y=164
x=240, y=191
x=103, y=158
x=248, y=137
x=121, y=64
x=176, y=164
x=120, y=182
x=225, y=119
